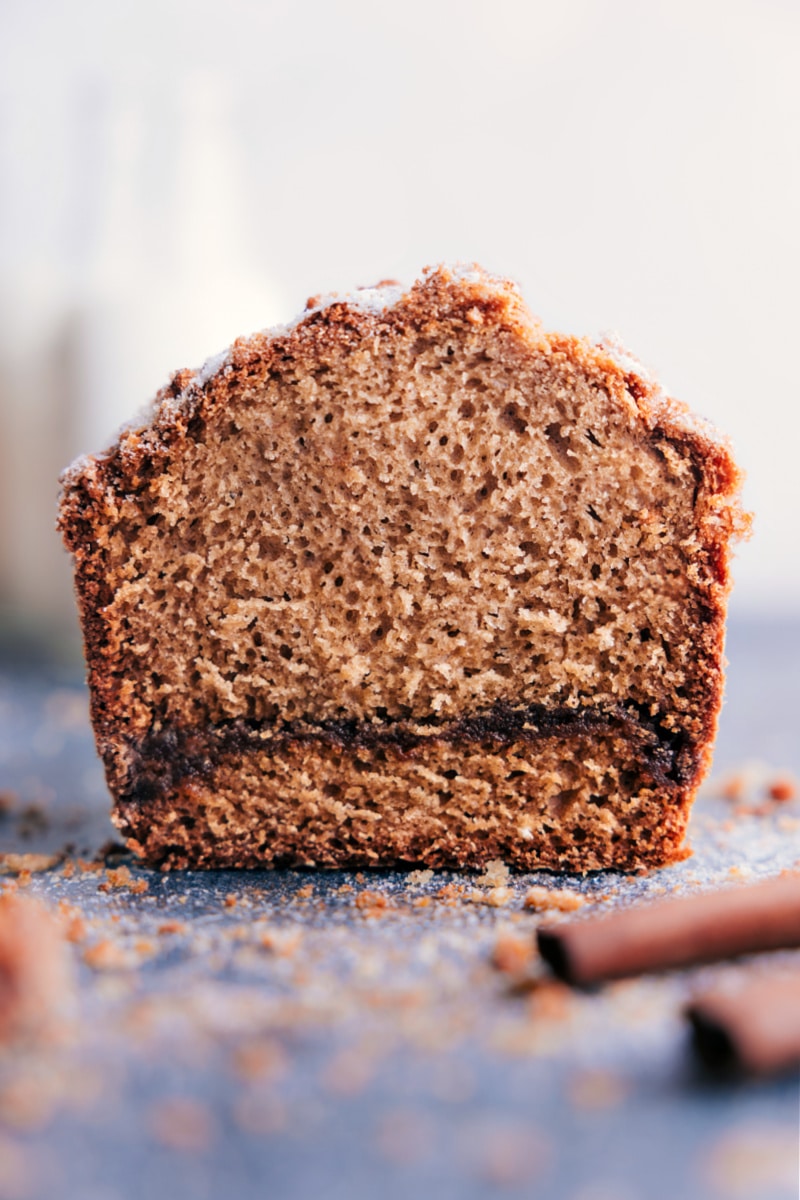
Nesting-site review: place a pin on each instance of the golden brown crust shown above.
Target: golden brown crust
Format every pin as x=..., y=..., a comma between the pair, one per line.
x=102, y=494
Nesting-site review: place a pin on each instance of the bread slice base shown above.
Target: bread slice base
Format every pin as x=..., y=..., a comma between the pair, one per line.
x=561, y=789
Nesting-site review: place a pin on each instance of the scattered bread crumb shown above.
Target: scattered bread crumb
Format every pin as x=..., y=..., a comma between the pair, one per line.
x=450, y=893
x=755, y=788
x=550, y=1001
x=172, y=926
x=496, y=897
x=261, y=1058
x=88, y=866
x=541, y=898
x=512, y=954
x=106, y=955
x=121, y=877
x=782, y=788
x=371, y=904
x=733, y=787
x=30, y=864
x=496, y=874
x=73, y=921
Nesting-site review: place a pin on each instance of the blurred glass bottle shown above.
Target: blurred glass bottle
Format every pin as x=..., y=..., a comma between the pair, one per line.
x=172, y=279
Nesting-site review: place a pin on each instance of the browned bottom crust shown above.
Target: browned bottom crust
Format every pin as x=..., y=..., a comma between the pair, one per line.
x=566, y=790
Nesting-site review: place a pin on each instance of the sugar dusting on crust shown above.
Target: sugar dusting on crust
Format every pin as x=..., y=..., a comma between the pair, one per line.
x=211, y=367
x=380, y=300
x=612, y=344
x=375, y=300
x=662, y=406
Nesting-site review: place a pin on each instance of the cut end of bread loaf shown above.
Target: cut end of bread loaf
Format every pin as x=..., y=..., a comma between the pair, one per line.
x=409, y=581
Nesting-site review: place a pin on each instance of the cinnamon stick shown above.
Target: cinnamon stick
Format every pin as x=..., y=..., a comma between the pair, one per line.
x=750, y=1026
x=675, y=933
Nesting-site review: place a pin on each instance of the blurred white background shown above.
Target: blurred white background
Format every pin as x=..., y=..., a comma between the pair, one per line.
x=178, y=172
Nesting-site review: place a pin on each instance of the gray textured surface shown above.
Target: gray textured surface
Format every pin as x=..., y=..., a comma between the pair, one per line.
x=331, y=1050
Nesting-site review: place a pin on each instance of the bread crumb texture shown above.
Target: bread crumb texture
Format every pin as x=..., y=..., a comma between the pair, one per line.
x=411, y=581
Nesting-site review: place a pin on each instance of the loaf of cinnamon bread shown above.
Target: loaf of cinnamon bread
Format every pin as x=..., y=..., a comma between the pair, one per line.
x=410, y=580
